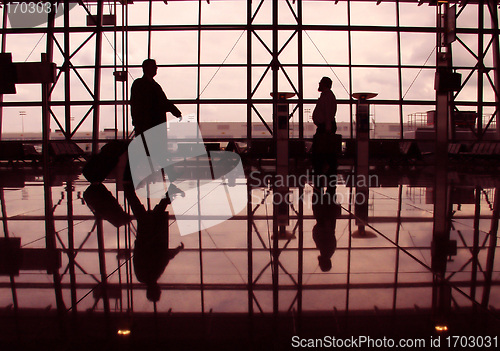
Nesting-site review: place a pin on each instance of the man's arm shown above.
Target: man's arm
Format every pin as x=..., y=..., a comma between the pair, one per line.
x=168, y=106
x=135, y=101
x=173, y=109
x=318, y=115
x=173, y=252
x=329, y=110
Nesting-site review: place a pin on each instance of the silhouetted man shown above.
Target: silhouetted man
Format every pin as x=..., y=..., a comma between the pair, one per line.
x=326, y=108
x=324, y=119
x=149, y=106
x=148, y=102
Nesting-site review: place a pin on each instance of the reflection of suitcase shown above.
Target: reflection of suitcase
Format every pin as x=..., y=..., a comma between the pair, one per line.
x=103, y=204
x=100, y=166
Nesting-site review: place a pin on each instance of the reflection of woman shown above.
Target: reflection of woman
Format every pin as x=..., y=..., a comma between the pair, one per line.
x=326, y=212
x=151, y=252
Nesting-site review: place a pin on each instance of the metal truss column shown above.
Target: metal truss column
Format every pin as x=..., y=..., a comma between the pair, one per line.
x=249, y=72
x=349, y=53
x=125, y=67
x=275, y=245
x=2, y=50
x=12, y=278
x=48, y=57
x=250, y=263
x=50, y=234
x=275, y=65
x=66, y=69
x=443, y=95
x=475, y=248
x=490, y=258
x=97, y=79
x=300, y=72
x=300, y=268
x=71, y=252
x=441, y=290
x=480, y=67
x=104, y=276
x=492, y=6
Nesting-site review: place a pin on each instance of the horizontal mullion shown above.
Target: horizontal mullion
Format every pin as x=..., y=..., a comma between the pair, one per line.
x=238, y=102
x=427, y=283
x=239, y=27
x=260, y=65
x=289, y=65
x=376, y=219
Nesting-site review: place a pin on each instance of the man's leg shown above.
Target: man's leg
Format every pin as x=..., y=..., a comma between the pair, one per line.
x=332, y=174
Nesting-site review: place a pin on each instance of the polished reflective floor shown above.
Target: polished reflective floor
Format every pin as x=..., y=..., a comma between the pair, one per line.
x=100, y=265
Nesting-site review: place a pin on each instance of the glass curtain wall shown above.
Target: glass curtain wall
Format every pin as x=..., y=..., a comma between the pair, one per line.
x=216, y=61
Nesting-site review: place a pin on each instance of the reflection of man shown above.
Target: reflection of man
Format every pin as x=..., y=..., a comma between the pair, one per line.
x=326, y=212
x=324, y=119
x=149, y=104
x=151, y=251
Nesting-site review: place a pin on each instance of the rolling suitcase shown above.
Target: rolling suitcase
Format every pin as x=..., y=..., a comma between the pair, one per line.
x=100, y=166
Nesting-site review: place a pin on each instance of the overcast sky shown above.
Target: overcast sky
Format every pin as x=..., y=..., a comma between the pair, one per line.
x=230, y=82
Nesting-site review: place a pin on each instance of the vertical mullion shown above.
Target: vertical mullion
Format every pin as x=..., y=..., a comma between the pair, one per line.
x=349, y=247
x=149, y=27
x=400, y=78
x=398, y=232
x=198, y=88
x=115, y=68
x=198, y=83
x=274, y=64
x=349, y=50
x=124, y=68
x=300, y=70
